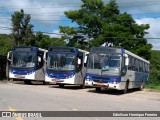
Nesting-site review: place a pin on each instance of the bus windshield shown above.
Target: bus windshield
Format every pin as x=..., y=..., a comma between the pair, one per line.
x=61, y=62
x=23, y=59
x=103, y=62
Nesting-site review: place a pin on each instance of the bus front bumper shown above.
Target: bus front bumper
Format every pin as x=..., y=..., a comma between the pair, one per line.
x=117, y=86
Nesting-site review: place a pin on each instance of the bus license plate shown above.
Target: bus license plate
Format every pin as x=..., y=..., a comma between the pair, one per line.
x=19, y=76
x=100, y=84
x=57, y=80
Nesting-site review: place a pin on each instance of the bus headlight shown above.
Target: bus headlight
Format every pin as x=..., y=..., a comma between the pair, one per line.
x=87, y=79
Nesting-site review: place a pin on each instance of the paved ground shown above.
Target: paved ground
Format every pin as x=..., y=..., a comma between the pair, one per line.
x=38, y=97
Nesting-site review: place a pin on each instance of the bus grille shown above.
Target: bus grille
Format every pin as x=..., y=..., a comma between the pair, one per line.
x=102, y=78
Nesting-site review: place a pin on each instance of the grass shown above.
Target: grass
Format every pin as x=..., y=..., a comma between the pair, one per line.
x=153, y=87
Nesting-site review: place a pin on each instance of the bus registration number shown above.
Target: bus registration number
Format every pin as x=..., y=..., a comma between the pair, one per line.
x=57, y=80
x=100, y=84
x=20, y=76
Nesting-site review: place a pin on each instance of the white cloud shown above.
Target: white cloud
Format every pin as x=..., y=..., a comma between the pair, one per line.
x=45, y=13
x=154, y=31
x=4, y=25
x=139, y=6
x=54, y=10
x=56, y=34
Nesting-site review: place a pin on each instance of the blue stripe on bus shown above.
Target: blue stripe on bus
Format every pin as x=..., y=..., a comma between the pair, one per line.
x=59, y=75
x=102, y=78
x=22, y=71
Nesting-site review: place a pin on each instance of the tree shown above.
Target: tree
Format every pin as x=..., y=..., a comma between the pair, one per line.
x=72, y=38
x=6, y=43
x=22, y=29
x=155, y=68
x=99, y=23
x=44, y=41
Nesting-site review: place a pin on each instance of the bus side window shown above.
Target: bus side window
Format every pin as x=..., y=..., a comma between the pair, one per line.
x=130, y=66
x=133, y=64
x=140, y=69
x=137, y=65
x=80, y=61
x=145, y=67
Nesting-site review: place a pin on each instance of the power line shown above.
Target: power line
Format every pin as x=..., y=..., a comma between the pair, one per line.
x=7, y=28
x=6, y=18
x=41, y=19
x=57, y=14
x=36, y=7
x=49, y=20
x=63, y=34
x=2, y=27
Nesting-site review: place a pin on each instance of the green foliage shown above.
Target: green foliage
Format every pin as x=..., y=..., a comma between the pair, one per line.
x=23, y=34
x=6, y=43
x=155, y=68
x=44, y=41
x=99, y=23
x=75, y=39
x=153, y=87
x=22, y=29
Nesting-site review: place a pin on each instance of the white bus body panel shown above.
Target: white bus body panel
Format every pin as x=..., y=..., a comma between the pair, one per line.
x=16, y=76
x=62, y=81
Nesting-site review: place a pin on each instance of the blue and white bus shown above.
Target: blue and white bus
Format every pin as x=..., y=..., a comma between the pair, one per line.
x=65, y=66
x=116, y=68
x=26, y=64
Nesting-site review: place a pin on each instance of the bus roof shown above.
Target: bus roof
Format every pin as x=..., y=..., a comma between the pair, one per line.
x=134, y=55
x=23, y=47
x=65, y=48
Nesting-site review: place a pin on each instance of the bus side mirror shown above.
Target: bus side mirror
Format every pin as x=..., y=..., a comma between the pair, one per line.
x=39, y=59
x=126, y=61
x=79, y=61
x=45, y=56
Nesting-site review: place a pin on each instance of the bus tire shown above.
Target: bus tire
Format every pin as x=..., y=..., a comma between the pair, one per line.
x=45, y=83
x=126, y=88
x=82, y=86
x=61, y=85
x=98, y=89
x=28, y=82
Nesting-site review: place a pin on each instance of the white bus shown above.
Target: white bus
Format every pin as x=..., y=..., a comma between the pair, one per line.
x=66, y=66
x=26, y=63
x=116, y=68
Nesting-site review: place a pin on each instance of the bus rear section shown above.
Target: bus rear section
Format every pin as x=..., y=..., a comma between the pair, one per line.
x=25, y=63
x=65, y=66
x=110, y=68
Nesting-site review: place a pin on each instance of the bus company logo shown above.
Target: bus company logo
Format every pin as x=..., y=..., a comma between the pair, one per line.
x=6, y=114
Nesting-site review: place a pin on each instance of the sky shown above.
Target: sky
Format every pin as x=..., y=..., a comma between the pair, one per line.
x=48, y=15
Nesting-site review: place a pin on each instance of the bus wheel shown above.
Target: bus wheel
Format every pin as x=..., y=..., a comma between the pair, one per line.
x=61, y=85
x=126, y=88
x=98, y=89
x=45, y=83
x=82, y=86
x=28, y=82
